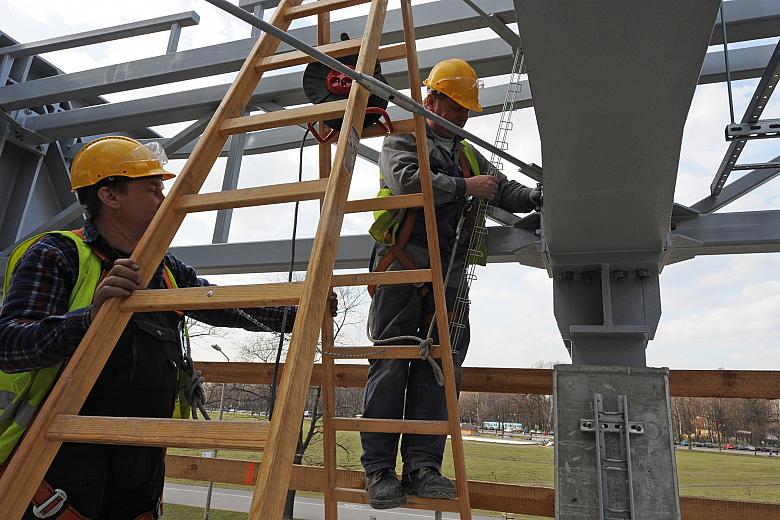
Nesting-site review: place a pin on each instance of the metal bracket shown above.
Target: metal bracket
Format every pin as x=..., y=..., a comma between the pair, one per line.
x=755, y=130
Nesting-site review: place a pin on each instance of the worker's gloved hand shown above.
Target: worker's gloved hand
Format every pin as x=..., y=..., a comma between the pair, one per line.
x=121, y=281
x=333, y=303
x=536, y=197
x=482, y=186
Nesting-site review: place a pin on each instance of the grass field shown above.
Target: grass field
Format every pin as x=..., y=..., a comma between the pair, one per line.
x=706, y=474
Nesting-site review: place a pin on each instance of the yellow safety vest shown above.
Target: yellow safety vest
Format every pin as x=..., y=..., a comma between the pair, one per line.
x=22, y=393
x=387, y=221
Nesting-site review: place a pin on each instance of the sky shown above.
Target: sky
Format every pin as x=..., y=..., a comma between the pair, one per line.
x=718, y=311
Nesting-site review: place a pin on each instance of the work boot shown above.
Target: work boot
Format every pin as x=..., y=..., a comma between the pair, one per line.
x=427, y=482
x=384, y=489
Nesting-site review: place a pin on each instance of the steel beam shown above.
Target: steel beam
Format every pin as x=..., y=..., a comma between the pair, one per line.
x=737, y=189
x=764, y=90
x=107, y=34
x=287, y=138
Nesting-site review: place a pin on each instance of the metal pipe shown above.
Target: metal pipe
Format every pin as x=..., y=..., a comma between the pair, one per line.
x=726, y=59
x=221, y=409
x=374, y=86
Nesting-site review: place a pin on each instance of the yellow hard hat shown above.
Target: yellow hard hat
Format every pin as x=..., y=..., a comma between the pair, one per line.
x=117, y=156
x=457, y=80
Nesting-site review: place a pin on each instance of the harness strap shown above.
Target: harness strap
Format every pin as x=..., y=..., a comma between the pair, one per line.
x=397, y=252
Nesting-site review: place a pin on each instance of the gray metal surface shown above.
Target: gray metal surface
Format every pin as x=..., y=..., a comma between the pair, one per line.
x=737, y=189
x=652, y=455
x=162, y=23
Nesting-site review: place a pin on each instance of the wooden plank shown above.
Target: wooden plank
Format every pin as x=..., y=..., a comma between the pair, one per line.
x=380, y=352
x=535, y=381
x=213, y=297
x=323, y=6
x=708, y=509
x=382, y=278
x=335, y=50
x=250, y=435
x=34, y=454
x=490, y=496
x=756, y=384
x=355, y=424
x=414, y=200
x=292, y=116
x=259, y=196
x=274, y=477
x=360, y=496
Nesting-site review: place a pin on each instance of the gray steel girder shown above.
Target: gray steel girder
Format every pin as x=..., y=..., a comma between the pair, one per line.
x=491, y=57
x=286, y=138
x=283, y=89
x=608, y=193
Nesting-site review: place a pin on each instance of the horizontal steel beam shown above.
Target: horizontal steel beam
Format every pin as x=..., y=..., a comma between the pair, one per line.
x=490, y=57
x=117, y=32
x=737, y=188
x=492, y=99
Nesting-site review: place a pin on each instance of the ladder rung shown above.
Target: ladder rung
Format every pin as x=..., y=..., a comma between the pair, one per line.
x=335, y=50
x=382, y=278
x=323, y=6
x=259, y=196
x=234, y=435
x=381, y=352
x=404, y=126
x=293, y=116
x=360, y=496
x=349, y=424
x=414, y=200
x=213, y=297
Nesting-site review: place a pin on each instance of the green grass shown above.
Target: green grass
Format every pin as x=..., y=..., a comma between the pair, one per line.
x=725, y=475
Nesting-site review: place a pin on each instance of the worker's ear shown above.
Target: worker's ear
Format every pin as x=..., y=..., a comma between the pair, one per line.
x=108, y=197
x=429, y=101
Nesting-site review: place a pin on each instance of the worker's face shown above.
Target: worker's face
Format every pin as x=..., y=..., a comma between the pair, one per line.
x=137, y=206
x=447, y=108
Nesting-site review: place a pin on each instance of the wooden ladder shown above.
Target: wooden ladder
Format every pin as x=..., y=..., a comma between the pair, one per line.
x=58, y=420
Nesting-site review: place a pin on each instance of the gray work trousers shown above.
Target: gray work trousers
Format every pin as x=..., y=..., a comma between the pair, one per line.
x=399, y=388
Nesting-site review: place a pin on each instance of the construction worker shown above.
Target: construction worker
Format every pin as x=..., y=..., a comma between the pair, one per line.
x=59, y=282
x=408, y=388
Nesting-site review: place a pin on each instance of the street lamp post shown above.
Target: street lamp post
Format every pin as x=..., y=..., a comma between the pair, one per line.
x=221, y=409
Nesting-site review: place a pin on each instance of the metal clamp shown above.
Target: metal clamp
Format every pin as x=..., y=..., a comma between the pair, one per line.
x=609, y=425
x=50, y=508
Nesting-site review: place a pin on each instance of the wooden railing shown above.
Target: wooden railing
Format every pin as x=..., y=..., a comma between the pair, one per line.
x=491, y=496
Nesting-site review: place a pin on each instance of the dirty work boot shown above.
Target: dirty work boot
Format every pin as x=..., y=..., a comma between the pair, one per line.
x=427, y=482
x=384, y=490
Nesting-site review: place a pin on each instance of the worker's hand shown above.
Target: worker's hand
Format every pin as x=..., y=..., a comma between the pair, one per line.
x=482, y=186
x=120, y=281
x=333, y=302
x=536, y=198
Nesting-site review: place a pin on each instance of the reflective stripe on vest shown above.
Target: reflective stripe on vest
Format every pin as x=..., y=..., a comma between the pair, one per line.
x=22, y=393
x=387, y=221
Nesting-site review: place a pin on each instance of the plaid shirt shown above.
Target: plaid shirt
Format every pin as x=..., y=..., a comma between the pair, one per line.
x=36, y=329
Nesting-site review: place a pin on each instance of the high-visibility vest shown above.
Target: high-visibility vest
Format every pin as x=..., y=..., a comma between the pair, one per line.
x=22, y=393
x=387, y=221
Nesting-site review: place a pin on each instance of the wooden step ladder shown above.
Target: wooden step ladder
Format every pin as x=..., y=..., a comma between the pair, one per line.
x=58, y=420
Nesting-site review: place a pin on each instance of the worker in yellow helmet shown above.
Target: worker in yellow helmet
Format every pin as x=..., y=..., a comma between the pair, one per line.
x=408, y=388
x=54, y=285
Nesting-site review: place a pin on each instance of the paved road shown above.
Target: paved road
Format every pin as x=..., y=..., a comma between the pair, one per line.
x=306, y=508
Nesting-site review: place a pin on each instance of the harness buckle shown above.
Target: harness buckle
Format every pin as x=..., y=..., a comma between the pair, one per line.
x=51, y=506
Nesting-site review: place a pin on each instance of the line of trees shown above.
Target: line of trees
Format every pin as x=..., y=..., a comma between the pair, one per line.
x=720, y=420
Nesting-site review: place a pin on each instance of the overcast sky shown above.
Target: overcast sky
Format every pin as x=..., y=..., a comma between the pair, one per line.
x=717, y=311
